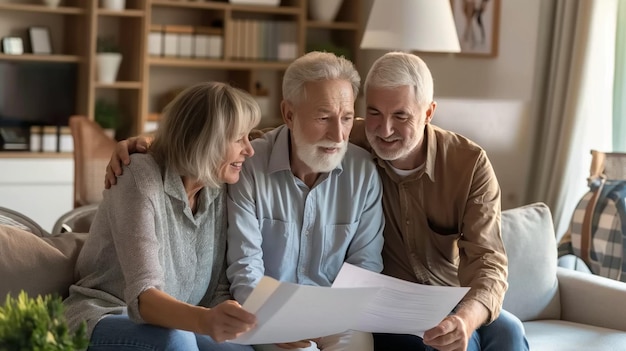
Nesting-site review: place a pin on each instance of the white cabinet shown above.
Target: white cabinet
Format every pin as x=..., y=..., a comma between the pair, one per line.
x=41, y=188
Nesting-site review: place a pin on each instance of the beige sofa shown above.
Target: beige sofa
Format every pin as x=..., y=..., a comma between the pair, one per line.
x=561, y=309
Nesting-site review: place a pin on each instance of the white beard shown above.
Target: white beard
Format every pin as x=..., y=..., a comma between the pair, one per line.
x=313, y=157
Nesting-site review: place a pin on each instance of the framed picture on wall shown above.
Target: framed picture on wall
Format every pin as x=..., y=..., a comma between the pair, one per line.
x=477, y=24
x=40, y=40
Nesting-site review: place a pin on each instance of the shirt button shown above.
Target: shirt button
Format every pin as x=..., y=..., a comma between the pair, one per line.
x=408, y=222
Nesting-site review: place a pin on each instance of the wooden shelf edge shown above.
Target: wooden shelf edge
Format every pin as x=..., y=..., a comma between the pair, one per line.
x=41, y=58
x=217, y=64
x=123, y=13
x=62, y=10
x=212, y=5
x=34, y=154
x=119, y=85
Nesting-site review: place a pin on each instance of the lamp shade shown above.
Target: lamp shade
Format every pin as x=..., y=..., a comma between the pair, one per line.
x=420, y=25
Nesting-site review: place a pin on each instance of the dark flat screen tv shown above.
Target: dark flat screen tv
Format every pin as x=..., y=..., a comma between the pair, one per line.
x=37, y=93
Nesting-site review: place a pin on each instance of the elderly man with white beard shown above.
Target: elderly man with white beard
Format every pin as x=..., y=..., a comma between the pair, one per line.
x=307, y=201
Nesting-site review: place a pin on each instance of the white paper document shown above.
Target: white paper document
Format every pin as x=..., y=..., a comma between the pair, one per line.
x=358, y=300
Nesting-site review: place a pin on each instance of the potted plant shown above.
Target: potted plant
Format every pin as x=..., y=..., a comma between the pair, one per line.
x=108, y=116
x=38, y=324
x=108, y=60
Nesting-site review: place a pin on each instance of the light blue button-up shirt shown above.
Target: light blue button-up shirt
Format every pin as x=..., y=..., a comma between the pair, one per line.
x=278, y=226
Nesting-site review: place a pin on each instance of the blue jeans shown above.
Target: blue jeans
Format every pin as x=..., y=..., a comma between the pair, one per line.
x=505, y=333
x=117, y=332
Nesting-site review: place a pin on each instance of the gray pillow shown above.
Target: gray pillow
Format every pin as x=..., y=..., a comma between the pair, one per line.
x=38, y=265
x=528, y=235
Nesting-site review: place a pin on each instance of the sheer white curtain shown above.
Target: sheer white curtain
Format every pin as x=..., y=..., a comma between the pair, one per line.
x=619, y=92
x=573, y=95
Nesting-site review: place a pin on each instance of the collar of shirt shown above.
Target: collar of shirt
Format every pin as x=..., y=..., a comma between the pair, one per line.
x=173, y=187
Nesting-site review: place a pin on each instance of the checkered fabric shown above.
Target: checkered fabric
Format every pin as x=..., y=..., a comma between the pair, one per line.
x=605, y=250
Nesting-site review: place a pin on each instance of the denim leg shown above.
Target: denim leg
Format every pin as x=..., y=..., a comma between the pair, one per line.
x=396, y=342
x=505, y=333
x=117, y=332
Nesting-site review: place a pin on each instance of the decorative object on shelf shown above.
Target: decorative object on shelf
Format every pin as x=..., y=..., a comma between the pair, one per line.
x=51, y=3
x=208, y=42
x=477, y=23
x=108, y=116
x=411, y=25
x=330, y=47
x=256, y=2
x=324, y=10
x=12, y=46
x=28, y=323
x=115, y=5
x=108, y=60
x=40, y=40
x=14, y=137
x=155, y=40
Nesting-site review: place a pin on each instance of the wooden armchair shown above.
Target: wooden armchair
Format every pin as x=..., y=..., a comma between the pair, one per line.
x=92, y=151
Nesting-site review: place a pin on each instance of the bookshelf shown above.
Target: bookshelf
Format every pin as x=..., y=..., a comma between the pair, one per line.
x=144, y=78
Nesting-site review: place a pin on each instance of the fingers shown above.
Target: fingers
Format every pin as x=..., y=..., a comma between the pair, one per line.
x=449, y=335
x=229, y=320
x=235, y=311
x=119, y=157
x=140, y=144
x=109, y=177
x=295, y=345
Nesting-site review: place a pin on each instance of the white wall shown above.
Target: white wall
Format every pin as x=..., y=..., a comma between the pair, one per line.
x=41, y=189
x=488, y=99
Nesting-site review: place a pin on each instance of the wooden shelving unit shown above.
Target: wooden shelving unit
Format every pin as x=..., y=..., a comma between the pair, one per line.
x=79, y=23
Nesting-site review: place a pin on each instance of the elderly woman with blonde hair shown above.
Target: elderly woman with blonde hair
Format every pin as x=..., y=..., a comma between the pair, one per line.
x=152, y=272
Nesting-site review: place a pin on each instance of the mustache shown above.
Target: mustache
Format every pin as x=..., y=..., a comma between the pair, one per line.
x=330, y=144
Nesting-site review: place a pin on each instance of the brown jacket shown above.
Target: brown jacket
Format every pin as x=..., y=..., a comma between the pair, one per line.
x=443, y=222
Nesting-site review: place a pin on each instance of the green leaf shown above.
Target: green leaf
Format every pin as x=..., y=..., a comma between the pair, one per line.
x=38, y=324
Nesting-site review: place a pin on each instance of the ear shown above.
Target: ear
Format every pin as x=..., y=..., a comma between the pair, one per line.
x=287, y=110
x=430, y=112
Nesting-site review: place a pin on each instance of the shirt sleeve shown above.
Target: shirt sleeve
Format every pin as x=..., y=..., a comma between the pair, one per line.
x=483, y=261
x=366, y=247
x=132, y=223
x=245, y=255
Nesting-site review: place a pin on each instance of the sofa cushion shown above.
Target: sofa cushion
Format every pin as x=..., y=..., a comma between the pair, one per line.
x=552, y=335
x=16, y=219
x=38, y=265
x=528, y=236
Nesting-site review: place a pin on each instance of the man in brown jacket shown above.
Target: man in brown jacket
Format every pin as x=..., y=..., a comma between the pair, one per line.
x=441, y=201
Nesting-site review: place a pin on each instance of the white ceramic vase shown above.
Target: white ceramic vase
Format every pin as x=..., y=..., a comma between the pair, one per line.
x=117, y=5
x=107, y=66
x=51, y=3
x=324, y=10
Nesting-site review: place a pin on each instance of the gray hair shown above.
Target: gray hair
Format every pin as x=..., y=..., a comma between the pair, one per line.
x=317, y=66
x=395, y=69
x=198, y=125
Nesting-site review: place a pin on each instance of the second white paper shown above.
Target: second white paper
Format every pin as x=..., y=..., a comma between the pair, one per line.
x=399, y=307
